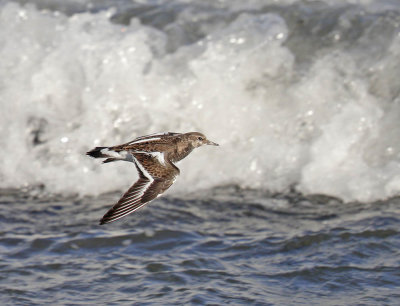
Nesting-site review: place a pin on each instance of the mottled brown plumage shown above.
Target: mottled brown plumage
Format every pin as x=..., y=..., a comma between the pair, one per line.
x=154, y=157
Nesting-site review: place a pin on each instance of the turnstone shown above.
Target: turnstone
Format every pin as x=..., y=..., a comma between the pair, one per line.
x=154, y=157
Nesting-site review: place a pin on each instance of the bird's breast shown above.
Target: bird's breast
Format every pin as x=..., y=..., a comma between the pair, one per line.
x=180, y=153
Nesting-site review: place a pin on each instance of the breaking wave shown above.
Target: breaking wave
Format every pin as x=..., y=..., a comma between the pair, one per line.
x=298, y=95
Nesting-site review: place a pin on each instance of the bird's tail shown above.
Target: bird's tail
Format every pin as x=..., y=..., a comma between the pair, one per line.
x=97, y=152
x=106, y=152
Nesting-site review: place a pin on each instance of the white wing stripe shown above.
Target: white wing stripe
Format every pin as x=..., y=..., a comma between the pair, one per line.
x=151, y=137
x=138, y=194
x=144, y=140
x=116, y=217
x=127, y=209
x=160, y=157
x=144, y=171
x=128, y=203
x=135, y=195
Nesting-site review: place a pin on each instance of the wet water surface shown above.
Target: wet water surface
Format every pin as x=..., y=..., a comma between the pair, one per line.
x=231, y=246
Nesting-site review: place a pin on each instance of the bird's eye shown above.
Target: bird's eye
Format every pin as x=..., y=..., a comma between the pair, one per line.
x=200, y=138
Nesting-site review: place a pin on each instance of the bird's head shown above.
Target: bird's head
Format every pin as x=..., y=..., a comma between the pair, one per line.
x=198, y=139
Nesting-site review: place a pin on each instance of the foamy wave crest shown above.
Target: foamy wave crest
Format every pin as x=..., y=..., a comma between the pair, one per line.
x=289, y=106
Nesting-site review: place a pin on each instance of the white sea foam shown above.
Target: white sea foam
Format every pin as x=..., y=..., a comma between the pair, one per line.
x=322, y=117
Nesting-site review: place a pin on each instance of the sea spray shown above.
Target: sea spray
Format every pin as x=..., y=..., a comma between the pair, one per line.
x=294, y=101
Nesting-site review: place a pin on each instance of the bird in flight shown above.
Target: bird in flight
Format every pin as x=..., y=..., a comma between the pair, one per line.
x=154, y=157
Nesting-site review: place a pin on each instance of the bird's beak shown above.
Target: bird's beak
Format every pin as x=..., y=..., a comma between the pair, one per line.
x=212, y=143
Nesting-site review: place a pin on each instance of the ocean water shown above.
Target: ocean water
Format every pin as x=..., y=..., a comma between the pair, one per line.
x=298, y=205
x=224, y=247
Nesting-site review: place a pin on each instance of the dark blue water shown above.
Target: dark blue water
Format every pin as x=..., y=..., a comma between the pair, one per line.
x=224, y=246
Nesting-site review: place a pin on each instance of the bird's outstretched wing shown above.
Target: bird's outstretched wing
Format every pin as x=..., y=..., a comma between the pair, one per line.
x=156, y=175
